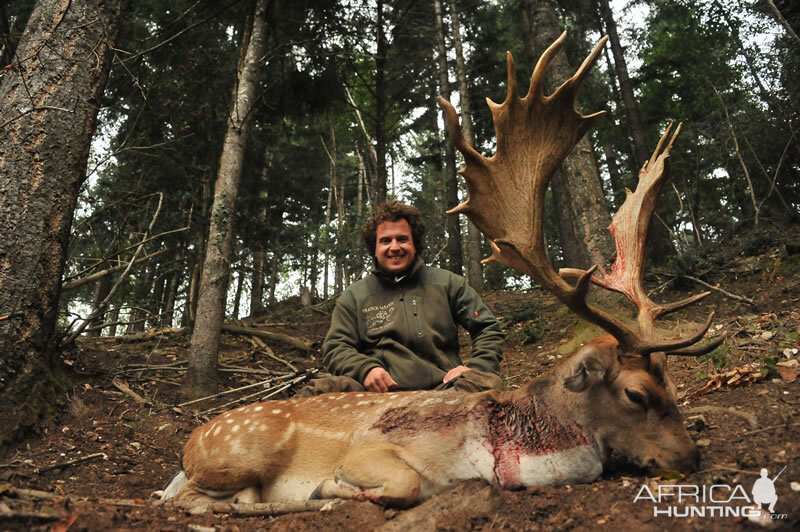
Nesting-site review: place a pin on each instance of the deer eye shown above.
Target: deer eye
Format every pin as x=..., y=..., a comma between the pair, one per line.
x=635, y=397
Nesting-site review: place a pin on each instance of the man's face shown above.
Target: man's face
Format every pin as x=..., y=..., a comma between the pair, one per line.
x=394, y=247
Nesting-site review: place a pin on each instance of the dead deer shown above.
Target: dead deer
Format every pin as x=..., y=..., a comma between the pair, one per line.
x=397, y=448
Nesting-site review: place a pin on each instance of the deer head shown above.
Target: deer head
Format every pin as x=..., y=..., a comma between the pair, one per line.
x=621, y=383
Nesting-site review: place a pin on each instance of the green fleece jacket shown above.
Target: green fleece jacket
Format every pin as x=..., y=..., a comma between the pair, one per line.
x=408, y=325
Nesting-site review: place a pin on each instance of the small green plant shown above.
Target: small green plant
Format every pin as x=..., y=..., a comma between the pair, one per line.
x=530, y=333
x=768, y=365
x=718, y=357
x=530, y=311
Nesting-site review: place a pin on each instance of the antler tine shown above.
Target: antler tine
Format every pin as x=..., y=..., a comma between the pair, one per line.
x=506, y=191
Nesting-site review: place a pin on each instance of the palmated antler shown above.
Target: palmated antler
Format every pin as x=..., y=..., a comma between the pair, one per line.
x=506, y=195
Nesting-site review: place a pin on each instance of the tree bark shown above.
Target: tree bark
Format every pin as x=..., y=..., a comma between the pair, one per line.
x=455, y=261
x=101, y=290
x=48, y=113
x=577, y=189
x=202, y=374
x=474, y=267
x=380, y=106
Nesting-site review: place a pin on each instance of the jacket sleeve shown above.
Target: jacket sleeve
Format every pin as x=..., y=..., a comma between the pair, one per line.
x=485, y=331
x=340, y=350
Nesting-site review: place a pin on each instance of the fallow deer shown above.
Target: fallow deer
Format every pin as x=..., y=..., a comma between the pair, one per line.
x=397, y=448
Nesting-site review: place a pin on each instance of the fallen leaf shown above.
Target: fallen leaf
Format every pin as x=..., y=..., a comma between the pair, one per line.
x=788, y=374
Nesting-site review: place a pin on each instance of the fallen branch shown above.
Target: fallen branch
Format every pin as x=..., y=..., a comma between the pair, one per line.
x=124, y=388
x=766, y=429
x=264, y=348
x=149, y=335
x=68, y=463
x=271, y=392
x=279, y=337
x=258, y=509
x=720, y=290
x=233, y=390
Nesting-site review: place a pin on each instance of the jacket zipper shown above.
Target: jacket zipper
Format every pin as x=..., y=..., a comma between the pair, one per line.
x=416, y=316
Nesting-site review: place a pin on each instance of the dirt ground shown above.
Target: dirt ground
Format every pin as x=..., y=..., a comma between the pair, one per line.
x=741, y=407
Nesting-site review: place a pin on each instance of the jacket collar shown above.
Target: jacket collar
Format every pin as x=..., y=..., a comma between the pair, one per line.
x=397, y=278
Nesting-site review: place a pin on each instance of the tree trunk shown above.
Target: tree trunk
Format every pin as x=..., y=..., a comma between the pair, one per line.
x=577, y=189
x=474, y=267
x=259, y=255
x=202, y=368
x=101, y=290
x=237, y=295
x=172, y=286
x=380, y=106
x=454, y=251
x=47, y=116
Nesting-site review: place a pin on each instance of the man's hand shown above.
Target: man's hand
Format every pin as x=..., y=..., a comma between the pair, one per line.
x=379, y=380
x=454, y=373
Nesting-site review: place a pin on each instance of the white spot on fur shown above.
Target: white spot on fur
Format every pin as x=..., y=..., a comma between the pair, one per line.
x=227, y=437
x=226, y=414
x=235, y=428
x=262, y=427
x=346, y=405
x=259, y=408
x=246, y=421
x=228, y=421
x=361, y=403
x=287, y=414
x=276, y=411
x=216, y=431
x=359, y=395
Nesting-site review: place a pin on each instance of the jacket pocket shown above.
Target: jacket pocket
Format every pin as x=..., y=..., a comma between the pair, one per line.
x=415, y=312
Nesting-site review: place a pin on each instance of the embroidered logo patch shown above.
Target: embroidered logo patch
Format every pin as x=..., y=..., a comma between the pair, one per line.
x=378, y=316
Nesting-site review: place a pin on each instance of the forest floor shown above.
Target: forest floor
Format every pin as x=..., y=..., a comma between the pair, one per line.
x=121, y=432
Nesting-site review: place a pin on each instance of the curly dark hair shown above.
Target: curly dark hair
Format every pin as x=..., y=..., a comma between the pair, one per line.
x=392, y=211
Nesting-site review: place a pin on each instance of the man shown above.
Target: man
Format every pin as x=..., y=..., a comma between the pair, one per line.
x=397, y=329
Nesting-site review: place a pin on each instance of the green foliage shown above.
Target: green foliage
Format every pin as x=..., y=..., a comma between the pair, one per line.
x=718, y=357
x=768, y=365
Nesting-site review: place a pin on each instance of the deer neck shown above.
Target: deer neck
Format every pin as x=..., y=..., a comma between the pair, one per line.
x=533, y=440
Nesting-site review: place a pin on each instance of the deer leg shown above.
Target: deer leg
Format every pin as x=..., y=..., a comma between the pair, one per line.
x=375, y=473
x=192, y=492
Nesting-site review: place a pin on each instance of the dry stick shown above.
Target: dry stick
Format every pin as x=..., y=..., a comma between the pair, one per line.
x=783, y=426
x=226, y=392
x=267, y=351
x=68, y=463
x=124, y=388
x=724, y=292
x=101, y=307
x=284, y=338
x=275, y=390
x=258, y=509
x=70, y=285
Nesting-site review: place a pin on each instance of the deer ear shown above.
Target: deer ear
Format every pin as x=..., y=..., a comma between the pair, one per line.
x=589, y=372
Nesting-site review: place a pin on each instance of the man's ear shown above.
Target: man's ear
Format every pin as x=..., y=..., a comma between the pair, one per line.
x=588, y=372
